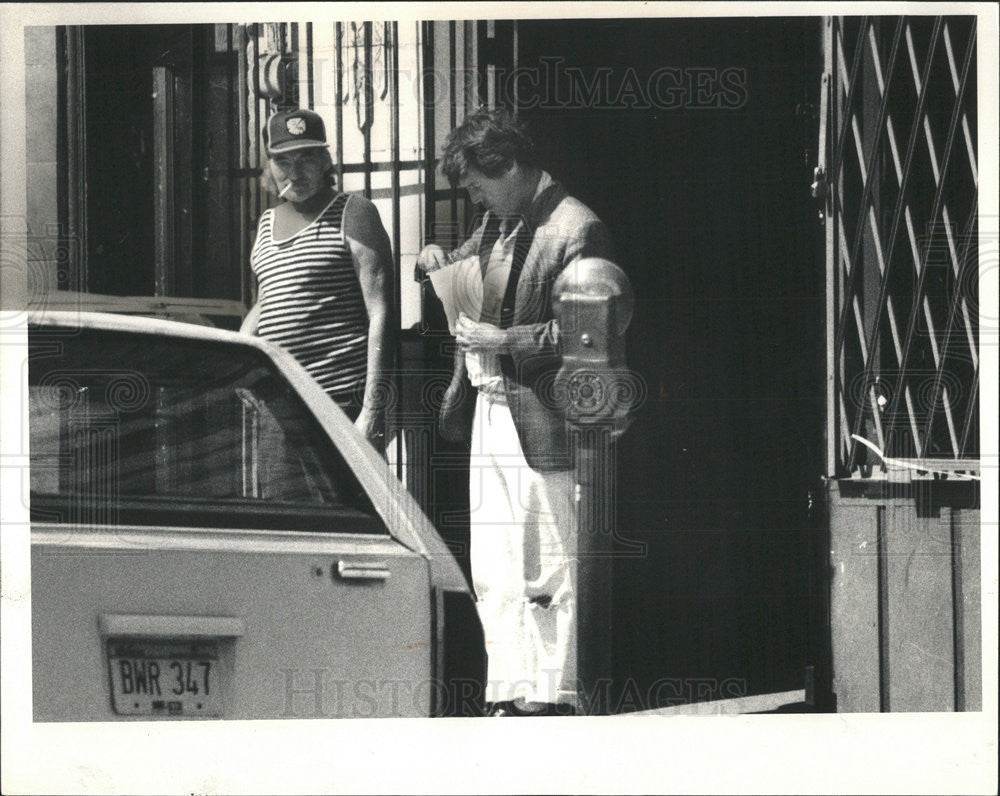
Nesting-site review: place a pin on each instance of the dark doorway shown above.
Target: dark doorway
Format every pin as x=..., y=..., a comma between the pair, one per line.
x=695, y=140
x=119, y=160
x=155, y=139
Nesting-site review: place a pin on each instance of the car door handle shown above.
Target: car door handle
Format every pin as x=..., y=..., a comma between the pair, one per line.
x=363, y=570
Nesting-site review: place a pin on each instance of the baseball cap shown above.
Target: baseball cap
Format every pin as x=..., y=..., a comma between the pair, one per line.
x=294, y=129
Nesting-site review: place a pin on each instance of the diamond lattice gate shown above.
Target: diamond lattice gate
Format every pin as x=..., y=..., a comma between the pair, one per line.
x=899, y=187
x=902, y=190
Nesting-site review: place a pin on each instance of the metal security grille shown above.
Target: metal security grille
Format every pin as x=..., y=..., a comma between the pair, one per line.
x=389, y=93
x=898, y=127
x=350, y=73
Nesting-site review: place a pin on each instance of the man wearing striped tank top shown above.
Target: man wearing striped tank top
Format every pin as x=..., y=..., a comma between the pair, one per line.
x=323, y=264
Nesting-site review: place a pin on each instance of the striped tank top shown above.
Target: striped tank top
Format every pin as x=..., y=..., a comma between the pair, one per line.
x=311, y=302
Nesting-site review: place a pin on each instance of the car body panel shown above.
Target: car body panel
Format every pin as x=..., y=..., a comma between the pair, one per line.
x=397, y=508
x=300, y=654
x=340, y=620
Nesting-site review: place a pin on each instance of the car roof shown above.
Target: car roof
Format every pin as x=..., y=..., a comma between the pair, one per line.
x=114, y=322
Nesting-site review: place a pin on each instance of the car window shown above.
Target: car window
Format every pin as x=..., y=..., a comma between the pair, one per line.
x=195, y=429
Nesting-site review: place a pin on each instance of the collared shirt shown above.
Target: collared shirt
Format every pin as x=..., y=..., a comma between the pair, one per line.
x=484, y=369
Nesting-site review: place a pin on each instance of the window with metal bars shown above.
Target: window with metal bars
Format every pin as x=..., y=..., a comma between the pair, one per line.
x=389, y=94
x=901, y=206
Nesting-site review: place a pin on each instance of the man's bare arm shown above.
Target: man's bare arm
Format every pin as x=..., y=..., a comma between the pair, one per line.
x=372, y=254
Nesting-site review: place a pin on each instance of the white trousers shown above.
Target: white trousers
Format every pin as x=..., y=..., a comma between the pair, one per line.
x=523, y=529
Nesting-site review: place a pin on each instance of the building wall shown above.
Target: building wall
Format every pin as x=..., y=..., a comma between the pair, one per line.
x=41, y=106
x=905, y=596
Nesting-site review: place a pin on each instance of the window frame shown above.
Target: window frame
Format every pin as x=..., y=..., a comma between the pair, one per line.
x=113, y=508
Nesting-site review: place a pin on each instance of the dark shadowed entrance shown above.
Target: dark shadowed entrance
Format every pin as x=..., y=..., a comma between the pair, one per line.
x=693, y=140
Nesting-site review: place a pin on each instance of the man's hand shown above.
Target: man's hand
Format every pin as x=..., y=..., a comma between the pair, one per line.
x=432, y=258
x=371, y=423
x=485, y=337
x=453, y=425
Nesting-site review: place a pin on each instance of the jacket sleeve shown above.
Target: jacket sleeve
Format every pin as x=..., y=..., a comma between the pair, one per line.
x=536, y=342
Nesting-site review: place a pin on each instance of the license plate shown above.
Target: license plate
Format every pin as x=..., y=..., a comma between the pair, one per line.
x=165, y=678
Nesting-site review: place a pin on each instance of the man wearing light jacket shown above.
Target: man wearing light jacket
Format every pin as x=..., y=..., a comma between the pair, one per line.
x=523, y=522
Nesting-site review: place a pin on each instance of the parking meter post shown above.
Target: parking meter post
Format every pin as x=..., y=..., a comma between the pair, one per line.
x=594, y=575
x=592, y=302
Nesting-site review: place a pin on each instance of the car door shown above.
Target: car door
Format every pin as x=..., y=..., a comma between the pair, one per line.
x=200, y=545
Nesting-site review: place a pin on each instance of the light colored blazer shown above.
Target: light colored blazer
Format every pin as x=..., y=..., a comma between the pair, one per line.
x=564, y=230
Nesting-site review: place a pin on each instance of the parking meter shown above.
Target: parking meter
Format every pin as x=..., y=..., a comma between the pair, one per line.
x=593, y=303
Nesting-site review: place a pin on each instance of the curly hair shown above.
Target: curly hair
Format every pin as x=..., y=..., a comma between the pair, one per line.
x=488, y=141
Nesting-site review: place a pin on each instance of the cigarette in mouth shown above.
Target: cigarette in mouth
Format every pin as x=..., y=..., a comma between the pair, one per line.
x=284, y=190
